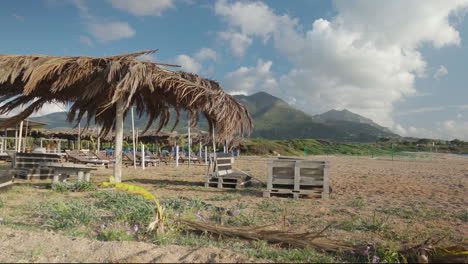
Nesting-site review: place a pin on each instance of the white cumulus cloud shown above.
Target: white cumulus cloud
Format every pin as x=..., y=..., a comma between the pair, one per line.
x=206, y=54
x=111, y=31
x=188, y=63
x=442, y=71
x=237, y=41
x=365, y=59
x=246, y=80
x=142, y=7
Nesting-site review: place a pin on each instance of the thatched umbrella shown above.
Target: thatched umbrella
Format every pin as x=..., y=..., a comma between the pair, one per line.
x=104, y=88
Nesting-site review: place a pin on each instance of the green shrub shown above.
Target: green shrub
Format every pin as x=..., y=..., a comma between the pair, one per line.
x=85, y=186
x=2, y=202
x=267, y=205
x=358, y=202
x=183, y=204
x=59, y=187
x=373, y=223
x=117, y=232
x=66, y=214
x=249, y=219
x=224, y=197
x=462, y=215
x=126, y=207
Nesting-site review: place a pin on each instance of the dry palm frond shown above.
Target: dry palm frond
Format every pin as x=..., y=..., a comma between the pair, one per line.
x=93, y=85
x=301, y=240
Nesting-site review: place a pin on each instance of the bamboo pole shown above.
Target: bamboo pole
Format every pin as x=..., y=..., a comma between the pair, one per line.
x=119, y=116
x=26, y=136
x=143, y=156
x=16, y=138
x=206, y=155
x=79, y=136
x=189, y=143
x=20, y=135
x=98, y=148
x=177, y=155
x=133, y=137
x=214, y=143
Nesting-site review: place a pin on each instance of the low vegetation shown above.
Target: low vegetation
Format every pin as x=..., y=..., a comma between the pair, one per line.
x=382, y=148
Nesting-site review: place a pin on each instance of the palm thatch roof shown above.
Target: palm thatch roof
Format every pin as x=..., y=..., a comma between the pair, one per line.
x=93, y=85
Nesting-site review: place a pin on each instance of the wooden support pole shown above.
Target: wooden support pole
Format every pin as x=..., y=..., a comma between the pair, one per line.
x=206, y=155
x=16, y=138
x=133, y=138
x=214, y=143
x=119, y=116
x=143, y=156
x=79, y=136
x=26, y=136
x=20, y=135
x=189, y=142
x=177, y=155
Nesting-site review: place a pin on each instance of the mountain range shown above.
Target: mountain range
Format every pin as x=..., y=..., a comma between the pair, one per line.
x=273, y=118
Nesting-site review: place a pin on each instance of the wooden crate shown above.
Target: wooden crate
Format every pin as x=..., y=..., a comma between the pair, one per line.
x=297, y=178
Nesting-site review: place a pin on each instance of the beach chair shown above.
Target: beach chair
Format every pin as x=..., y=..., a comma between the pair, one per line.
x=127, y=159
x=165, y=157
x=220, y=173
x=85, y=158
x=149, y=161
x=103, y=157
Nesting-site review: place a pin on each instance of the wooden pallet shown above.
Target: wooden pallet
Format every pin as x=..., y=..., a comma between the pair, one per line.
x=297, y=178
x=292, y=193
x=232, y=180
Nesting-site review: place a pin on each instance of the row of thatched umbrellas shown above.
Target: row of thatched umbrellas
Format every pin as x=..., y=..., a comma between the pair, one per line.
x=104, y=89
x=149, y=137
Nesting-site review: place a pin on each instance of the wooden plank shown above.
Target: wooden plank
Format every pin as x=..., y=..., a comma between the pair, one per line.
x=326, y=184
x=297, y=178
x=293, y=191
x=310, y=164
x=270, y=176
x=293, y=182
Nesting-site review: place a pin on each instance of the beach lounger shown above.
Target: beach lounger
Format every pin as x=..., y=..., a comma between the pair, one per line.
x=85, y=158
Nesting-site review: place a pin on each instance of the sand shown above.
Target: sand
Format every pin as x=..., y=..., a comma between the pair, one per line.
x=414, y=199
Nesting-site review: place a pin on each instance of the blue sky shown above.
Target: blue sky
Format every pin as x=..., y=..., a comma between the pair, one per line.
x=401, y=63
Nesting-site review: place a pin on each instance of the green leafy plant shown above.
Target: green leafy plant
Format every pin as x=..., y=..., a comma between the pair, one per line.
x=66, y=214
x=59, y=187
x=126, y=207
x=85, y=186
x=158, y=223
x=117, y=232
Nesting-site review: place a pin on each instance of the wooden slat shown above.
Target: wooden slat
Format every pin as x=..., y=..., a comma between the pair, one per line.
x=301, y=182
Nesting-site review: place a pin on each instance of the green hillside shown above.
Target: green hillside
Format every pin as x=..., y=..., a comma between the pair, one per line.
x=274, y=119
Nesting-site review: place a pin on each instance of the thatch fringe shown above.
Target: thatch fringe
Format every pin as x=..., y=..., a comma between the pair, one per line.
x=93, y=85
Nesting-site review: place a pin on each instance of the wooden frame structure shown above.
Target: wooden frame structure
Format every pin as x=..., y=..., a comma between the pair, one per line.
x=298, y=178
x=220, y=174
